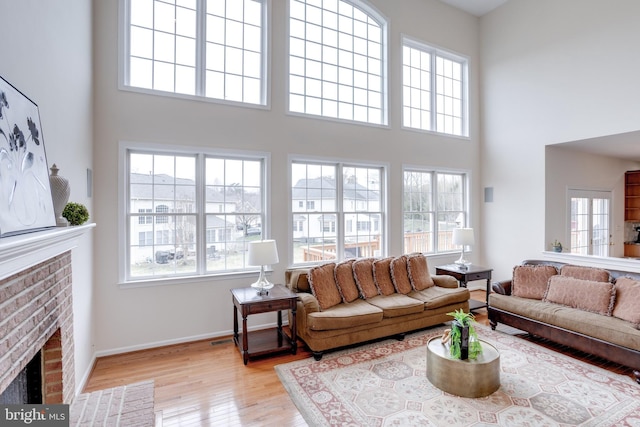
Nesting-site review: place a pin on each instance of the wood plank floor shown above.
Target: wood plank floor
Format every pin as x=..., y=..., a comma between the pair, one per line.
x=205, y=383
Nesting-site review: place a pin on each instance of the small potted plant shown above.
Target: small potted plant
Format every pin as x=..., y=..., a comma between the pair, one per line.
x=556, y=246
x=463, y=336
x=75, y=213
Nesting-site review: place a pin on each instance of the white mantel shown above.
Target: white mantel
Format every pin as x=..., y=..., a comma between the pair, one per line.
x=624, y=264
x=20, y=252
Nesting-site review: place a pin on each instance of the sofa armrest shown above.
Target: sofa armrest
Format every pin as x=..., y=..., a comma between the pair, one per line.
x=445, y=281
x=502, y=287
x=308, y=303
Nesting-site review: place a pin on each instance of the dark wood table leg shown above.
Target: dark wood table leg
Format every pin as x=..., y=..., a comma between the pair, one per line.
x=245, y=339
x=294, y=331
x=280, y=328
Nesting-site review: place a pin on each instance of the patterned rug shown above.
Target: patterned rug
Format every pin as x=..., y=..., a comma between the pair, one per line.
x=385, y=384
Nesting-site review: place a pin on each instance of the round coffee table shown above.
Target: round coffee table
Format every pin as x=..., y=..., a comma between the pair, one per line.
x=467, y=378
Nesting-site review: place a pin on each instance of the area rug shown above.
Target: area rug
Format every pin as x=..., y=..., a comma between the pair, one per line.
x=385, y=384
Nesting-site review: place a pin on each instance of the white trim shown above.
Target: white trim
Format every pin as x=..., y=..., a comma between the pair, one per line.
x=624, y=264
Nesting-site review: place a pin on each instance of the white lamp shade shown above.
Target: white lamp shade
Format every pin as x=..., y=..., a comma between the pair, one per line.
x=263, y=252
x=463, y=236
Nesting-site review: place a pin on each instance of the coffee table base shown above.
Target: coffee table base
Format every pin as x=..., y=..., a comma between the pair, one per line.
x=465, y=378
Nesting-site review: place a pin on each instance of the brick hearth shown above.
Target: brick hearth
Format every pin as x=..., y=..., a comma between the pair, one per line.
x=36, y=314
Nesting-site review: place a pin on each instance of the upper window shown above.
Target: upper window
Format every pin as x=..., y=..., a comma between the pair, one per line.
x=434, y=203
x=191, y=213
x=341, y=195
x=434, y=84
x=212, y=49
x=337, y=53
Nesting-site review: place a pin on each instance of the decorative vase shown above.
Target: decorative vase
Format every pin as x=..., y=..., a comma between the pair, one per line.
x=464, y=339
x=557, y=248
x=60, y=192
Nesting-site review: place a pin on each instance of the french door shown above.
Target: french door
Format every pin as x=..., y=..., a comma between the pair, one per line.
x=589, y=222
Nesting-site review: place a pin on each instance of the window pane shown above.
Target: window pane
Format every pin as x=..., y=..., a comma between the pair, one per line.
x=325, y=26
x=165, y=33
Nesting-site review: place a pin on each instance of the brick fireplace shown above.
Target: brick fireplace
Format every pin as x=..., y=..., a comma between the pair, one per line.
x=36, y=314
x=36, y=308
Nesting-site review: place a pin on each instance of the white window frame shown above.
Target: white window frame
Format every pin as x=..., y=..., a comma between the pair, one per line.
x=589, y=195
x=341, y=224
x=200, y=95
x=124, y=218
x=383, y=22
x=436, y=52
x=466, y=211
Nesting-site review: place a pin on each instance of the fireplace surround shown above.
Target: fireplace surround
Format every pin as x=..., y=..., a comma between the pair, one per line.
x=36, y=309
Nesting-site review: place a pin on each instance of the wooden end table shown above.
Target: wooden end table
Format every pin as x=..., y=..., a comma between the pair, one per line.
x=469, y=274
x=262, y=342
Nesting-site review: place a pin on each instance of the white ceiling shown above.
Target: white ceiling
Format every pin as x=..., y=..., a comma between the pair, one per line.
x=622, y=145
x=475, y=7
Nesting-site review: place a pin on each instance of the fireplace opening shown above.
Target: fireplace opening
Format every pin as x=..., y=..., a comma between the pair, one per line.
x=27, y=386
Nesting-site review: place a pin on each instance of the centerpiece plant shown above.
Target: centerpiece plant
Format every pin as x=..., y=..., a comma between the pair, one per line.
x=464, y=339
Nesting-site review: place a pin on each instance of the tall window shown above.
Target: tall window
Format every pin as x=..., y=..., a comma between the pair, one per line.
x=434, y=203
x=434, y=87
x=204, y=209
x=343, y=195
x=337, y=55
x=590, y=213
x=213, y=49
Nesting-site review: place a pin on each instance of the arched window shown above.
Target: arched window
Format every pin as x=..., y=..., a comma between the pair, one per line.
x=337, y=60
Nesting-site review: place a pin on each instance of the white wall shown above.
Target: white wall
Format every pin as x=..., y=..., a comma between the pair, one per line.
x=134, y=318
x=551, y=72
x=46, y=53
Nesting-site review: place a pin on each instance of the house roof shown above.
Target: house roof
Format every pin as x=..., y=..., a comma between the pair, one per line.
x=325, y=188
x=167, y=187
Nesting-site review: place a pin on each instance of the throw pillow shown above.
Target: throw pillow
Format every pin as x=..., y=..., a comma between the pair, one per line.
x=627, y=300
x=382, y=276
x=585, y=273
x=587, y=295
x=419, y=272
x=530, y=281
x=346, y=282
x=400, y=275
x=363, y=273
x=323, y=285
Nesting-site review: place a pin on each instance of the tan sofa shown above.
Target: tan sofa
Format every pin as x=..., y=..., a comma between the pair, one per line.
x=592, y=310
x=351, y=302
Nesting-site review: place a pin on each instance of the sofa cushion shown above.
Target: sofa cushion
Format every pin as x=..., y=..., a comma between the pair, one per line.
x=400, y=275
x=587, y=295
x=419, y=272
x=530, y=281
x=382, y=276
x=298, y=279
x=435, y=296
x=346, y=282
x=396, y=305
x=627, y=305
x=363, y=273
x=344, y=316
x=610, y=329
x=323, y=285
x=585, y=273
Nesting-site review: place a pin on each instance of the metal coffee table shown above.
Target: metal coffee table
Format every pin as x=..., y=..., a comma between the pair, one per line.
x=466, y=378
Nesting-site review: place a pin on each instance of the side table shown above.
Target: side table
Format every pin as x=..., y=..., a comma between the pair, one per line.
x=262, y=342
x=468, y=274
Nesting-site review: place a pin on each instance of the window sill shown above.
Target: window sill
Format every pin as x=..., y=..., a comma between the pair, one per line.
x=249, y=276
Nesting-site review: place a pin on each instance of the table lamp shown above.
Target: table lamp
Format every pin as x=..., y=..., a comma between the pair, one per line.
x=464, y=237
x=263, y=252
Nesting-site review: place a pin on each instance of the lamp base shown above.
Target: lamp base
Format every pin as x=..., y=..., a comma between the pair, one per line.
x=462, y=262
x=262, y=287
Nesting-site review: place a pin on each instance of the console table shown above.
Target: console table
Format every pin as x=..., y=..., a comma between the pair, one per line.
x=466, y=274
x=265, y=341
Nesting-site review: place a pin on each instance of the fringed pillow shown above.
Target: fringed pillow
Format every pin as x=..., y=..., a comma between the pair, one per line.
x=346, y=282
x=627, y=305
x=585, y=273
x=323, y=285
x=531, y=281
x=418, y=270
x=363, y=273
x=382, y=276
x=587, y=295
x=400, y=275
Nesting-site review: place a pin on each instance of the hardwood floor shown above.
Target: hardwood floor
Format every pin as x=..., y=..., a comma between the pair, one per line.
x=205, y=383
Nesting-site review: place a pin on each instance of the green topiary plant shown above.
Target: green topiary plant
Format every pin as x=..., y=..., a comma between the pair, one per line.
x=462, y=319
x=75, y=213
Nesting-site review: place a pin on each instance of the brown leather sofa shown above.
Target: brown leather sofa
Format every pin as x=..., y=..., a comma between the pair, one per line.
x=386, y=301
x=582, y=328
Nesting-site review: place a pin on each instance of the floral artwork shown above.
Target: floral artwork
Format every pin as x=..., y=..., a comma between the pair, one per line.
x=25, y=194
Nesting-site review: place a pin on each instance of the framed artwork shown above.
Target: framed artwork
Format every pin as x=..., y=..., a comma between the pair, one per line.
x=25, y=193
